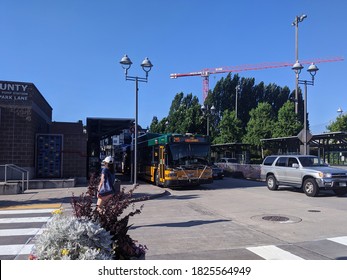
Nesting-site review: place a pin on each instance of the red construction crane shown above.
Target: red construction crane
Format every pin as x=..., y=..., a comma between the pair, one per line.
x=205, y=73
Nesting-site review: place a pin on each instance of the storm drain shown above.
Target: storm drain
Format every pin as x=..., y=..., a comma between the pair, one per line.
x=281, y=219
x=275, y=218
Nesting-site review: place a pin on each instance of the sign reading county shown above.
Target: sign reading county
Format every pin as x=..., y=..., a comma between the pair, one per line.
x=13, y=91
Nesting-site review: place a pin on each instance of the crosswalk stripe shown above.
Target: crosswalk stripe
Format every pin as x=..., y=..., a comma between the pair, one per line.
x=32, y=211
x=20, y=231
x=341, y=240
x=272, y=252
x=24, y=220
x=22, y=249
x=31, y=206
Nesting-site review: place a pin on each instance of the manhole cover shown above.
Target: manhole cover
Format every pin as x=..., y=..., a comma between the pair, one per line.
x=275, y=218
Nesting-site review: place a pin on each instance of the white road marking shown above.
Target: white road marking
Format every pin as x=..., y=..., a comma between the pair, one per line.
x=272, y=252
x=22, y=249
x=341, y=240
x=24, y=220
x=20, y=231
x=26, y=211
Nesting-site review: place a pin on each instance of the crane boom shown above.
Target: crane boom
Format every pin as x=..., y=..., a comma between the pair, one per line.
x=205, y=73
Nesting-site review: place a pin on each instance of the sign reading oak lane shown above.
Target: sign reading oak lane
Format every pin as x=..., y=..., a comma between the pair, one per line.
x=13, y=91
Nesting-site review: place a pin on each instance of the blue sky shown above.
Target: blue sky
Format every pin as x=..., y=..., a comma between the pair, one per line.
x=70, y=49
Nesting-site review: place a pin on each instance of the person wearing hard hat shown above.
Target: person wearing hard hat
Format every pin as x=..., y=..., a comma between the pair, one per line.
x=105, y=188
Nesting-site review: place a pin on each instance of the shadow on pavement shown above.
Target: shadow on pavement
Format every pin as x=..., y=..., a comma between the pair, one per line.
x=191, y=223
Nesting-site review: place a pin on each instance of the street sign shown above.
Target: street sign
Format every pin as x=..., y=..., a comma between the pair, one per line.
x=301, y=136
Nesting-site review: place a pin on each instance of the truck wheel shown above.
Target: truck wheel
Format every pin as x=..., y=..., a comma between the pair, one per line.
x=310, y=187
x=272, y=184
x=339, y=192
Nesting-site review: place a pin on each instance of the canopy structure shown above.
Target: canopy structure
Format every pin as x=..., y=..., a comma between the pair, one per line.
x=331, y=146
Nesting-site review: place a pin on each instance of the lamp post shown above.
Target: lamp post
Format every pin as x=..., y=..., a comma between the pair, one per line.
x=208, y=111
x=312, y=69
x=295, y=23
x=146, y=66
x=237, y=90
x=339, y=111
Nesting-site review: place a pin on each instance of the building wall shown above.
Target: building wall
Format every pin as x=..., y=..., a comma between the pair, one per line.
x=24, y=114
x=16, y=139
x=74, y=152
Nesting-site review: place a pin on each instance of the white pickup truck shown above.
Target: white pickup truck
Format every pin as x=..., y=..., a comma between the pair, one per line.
x=306, y=172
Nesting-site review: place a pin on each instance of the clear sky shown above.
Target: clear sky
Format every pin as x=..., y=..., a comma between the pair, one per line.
x=70, y=49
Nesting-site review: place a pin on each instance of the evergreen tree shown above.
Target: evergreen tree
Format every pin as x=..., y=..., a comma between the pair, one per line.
x=287, y=122
x=230, y=129
x=185, y=113
x=184, y=116
x=154, y=125
x=260, y=125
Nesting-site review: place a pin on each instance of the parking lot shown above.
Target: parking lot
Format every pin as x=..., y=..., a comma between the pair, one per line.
x=242, y=219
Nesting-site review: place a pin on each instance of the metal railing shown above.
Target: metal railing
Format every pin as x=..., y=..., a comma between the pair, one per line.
x=11, y=172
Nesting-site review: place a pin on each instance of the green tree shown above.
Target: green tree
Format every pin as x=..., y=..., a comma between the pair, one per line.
x=260, y=125
x=154, y=127
x=230, y=129
x=184, y=116
x=185, y=112
x=340, y=124
x=287, y=122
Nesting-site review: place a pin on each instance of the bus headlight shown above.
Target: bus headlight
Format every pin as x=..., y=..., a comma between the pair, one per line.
x=172, y=174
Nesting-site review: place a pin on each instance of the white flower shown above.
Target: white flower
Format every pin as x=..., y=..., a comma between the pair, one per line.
x=67, y=237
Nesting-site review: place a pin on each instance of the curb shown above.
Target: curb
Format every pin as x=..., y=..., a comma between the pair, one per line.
x=148, y=197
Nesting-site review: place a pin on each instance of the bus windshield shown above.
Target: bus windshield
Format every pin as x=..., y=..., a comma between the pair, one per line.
x=188, y=153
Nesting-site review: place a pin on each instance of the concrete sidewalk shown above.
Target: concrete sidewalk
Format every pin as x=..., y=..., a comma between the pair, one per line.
x=61, y=197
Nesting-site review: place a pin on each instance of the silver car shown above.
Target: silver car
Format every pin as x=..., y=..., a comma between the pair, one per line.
x=306, y=172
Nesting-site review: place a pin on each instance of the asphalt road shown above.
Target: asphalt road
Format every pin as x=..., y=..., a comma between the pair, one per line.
x=242, y=219
x=231, y=219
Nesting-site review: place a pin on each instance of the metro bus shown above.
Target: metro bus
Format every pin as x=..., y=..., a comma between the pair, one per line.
x=172, y=160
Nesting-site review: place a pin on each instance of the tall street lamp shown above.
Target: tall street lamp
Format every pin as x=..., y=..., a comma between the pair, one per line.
x=208, y=112
x=295, y=23
x=237, y=90
x=312, y=69
x=146, y=66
